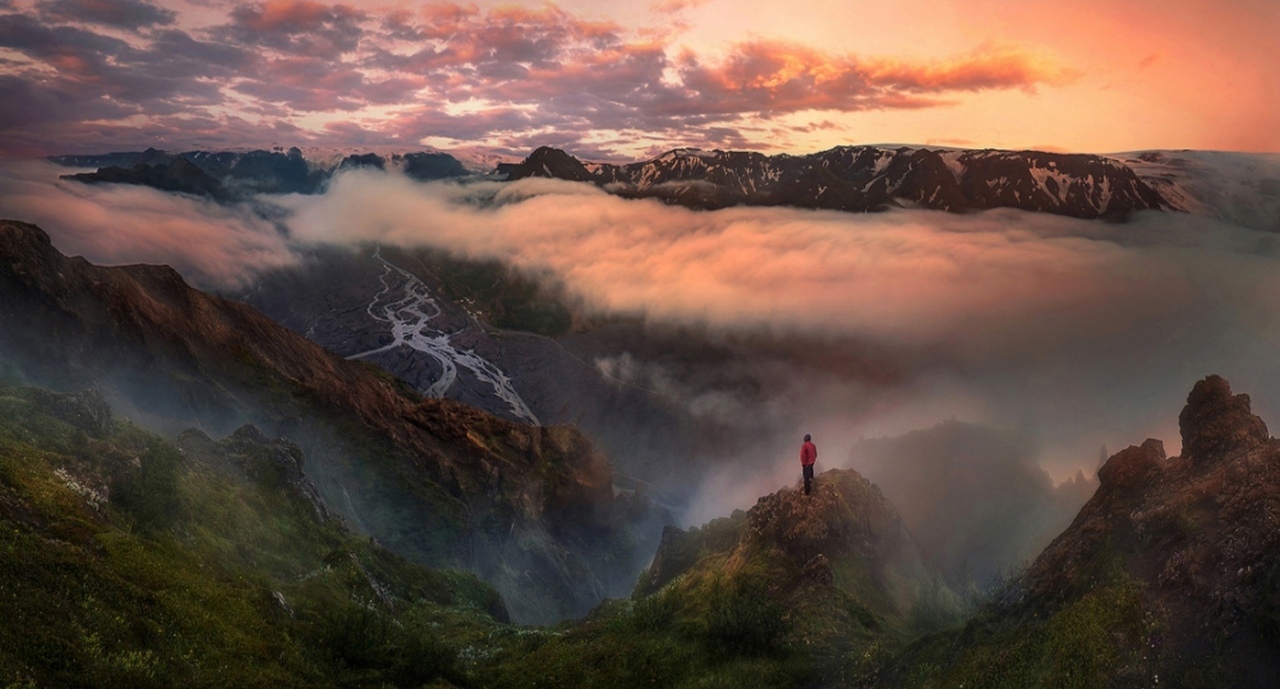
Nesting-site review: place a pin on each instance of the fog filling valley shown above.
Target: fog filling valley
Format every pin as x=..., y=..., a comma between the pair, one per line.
x=1066, y=335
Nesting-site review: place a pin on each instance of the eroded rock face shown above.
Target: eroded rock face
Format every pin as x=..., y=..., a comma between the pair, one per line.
x=1133, y=466
x=1215, y=421
x=1197, y=536
x=845, y=513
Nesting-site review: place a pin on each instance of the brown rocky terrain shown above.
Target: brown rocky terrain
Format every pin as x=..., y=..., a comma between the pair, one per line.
x=1201, y=532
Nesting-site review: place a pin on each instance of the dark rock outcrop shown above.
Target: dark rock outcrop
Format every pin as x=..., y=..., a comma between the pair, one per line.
x=1132, y=467
x=1177, y=558
x=430, y=166
x=846, y=522
x=1216, y=422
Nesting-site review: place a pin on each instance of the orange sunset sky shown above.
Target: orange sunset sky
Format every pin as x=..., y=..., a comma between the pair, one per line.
x=623, y=80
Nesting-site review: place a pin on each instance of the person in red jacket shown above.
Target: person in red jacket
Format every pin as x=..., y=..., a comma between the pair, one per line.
x=808, y=455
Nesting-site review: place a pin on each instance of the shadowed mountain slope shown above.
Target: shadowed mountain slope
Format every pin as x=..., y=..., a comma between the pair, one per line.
x=531, y=509
x=1170, y=574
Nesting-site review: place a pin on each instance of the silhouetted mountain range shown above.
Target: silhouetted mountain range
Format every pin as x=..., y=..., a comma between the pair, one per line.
x=224, y=175
x=1239, y=188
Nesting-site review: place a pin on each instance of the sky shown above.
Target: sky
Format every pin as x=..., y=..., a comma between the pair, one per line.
x=628, y=80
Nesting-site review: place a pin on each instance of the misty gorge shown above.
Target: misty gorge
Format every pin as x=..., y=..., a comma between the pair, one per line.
x=477, y=346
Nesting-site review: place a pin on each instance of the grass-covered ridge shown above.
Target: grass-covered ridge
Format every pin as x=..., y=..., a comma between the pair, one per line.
x=129, y=560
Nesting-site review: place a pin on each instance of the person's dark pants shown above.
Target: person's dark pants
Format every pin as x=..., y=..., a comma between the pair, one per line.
x=808, y=477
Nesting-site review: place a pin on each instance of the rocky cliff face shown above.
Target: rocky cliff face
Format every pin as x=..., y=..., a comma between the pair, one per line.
x=1176, y=560
x=868, y=178
x=530, y=508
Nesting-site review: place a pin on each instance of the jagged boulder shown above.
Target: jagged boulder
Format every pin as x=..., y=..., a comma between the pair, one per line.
x=1216, y=422
x=1133, y=466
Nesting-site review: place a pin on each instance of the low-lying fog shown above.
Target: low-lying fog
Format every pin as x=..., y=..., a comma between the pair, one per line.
x=1069, y=334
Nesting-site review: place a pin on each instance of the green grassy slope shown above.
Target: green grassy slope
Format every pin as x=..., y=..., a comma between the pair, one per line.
x=127, y=560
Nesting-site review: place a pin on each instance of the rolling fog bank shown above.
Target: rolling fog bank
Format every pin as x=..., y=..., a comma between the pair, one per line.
x=1070, y=334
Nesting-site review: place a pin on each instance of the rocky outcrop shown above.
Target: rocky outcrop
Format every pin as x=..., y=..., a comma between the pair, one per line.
x=274, y=464
x=1178, y=556
x=846, y=522
x=86, y=410
x=1133, y=467
x=1216, y=423
x=847, y=514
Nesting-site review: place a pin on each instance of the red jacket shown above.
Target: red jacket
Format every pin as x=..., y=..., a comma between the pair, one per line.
x=808, y=453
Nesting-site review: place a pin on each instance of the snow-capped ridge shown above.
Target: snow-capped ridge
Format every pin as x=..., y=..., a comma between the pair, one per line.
x=872, y=178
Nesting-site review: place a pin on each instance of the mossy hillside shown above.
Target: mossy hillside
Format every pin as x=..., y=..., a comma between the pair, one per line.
x=738, y=641
x=1106, y=637
x=806, y=585
x=127, y=563
x=224, y=572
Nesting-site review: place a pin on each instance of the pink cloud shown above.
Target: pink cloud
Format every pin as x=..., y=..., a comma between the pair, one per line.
x=989, y=67
x=524, y=73
x=675, y=6
x=292, y=16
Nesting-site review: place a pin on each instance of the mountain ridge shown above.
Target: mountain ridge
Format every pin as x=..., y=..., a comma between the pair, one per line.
x=1238, y=188
x=869, y=178
x=437, y=480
